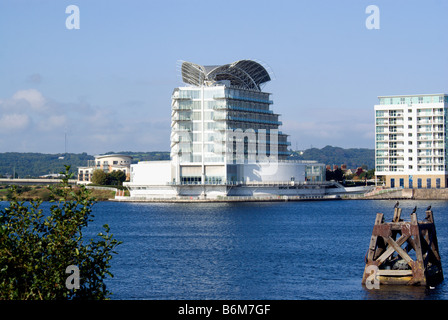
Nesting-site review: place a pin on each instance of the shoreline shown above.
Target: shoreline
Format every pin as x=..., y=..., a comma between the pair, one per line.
x=380, y=194
x=229, y=199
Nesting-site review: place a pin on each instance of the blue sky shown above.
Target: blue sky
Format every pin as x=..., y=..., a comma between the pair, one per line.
x=108, y=85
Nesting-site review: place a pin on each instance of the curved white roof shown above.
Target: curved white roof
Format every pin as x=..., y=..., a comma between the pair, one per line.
x=247, y=74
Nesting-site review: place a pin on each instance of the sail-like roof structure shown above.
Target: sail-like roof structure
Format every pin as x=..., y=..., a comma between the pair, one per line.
x=247, y=74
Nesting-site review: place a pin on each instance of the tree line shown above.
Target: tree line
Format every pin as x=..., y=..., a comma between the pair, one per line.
x=352, y=157
x=34, y=165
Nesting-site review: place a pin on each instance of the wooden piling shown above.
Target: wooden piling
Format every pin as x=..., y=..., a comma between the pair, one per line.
x=412, y=259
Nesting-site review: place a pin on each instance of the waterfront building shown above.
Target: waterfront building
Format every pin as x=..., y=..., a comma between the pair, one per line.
x=225, y=140
x=107, y=163
x=410, y=140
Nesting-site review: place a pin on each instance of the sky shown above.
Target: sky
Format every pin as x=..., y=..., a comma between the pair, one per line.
x=107, y=86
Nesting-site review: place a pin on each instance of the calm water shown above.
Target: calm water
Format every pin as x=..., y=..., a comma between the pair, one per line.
x=288, y=251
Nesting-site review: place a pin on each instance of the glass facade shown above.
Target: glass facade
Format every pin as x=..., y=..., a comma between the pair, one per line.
x=212, y=111
x=209, y=123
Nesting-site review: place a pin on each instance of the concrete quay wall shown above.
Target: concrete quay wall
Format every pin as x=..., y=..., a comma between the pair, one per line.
x=414, y=194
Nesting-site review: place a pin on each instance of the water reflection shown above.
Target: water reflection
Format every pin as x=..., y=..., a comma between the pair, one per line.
x=403, y=292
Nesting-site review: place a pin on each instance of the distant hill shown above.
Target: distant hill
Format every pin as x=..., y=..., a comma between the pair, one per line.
x=353, y=157
x=38, y=164
x=27, y=165
x=33, y=165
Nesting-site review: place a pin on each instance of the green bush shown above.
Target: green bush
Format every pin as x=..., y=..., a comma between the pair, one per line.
x=36, y=248
x=114, y=178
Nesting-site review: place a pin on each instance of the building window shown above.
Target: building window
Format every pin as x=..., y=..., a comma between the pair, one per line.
x=438, y=183
x=410, y=183
x=392, y=183
x=401, y=182
x=419, y=183
x=428, y=183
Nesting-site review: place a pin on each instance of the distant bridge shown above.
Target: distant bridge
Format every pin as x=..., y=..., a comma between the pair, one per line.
x=34, y=181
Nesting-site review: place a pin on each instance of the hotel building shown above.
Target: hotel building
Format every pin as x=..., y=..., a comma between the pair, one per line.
x=410, y=141
x=225, y=140
x=223, y=109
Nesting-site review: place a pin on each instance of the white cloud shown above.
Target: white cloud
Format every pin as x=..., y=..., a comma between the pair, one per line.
x=13, y=122
x=40, y=123
x=32, y=96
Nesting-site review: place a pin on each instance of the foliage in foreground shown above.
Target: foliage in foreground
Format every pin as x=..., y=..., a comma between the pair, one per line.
x=36, y=248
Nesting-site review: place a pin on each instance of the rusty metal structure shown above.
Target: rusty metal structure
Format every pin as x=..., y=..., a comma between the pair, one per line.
x=404, y=252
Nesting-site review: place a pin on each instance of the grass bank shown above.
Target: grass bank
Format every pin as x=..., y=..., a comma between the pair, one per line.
x=26, y=193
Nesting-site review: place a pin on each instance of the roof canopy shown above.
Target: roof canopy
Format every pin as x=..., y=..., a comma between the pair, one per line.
x=247, y=74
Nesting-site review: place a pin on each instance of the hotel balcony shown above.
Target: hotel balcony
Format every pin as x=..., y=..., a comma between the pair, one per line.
x=181, y=118
x=182, y=108
x=230, y=107
x=231, y=118
x=176, y=97
x=229, y=96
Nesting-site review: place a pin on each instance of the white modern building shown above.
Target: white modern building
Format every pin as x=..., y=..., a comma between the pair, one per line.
x=225, y=141
x=410, y=144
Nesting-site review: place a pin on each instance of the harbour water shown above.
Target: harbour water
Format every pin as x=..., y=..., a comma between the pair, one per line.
x=253, y=251
x=287, y=251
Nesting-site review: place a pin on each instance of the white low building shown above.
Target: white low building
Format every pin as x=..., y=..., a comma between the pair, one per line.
x=156, y=179
x=107, y=163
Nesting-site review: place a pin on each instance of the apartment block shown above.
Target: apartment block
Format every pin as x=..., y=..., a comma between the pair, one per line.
x=410, y=140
